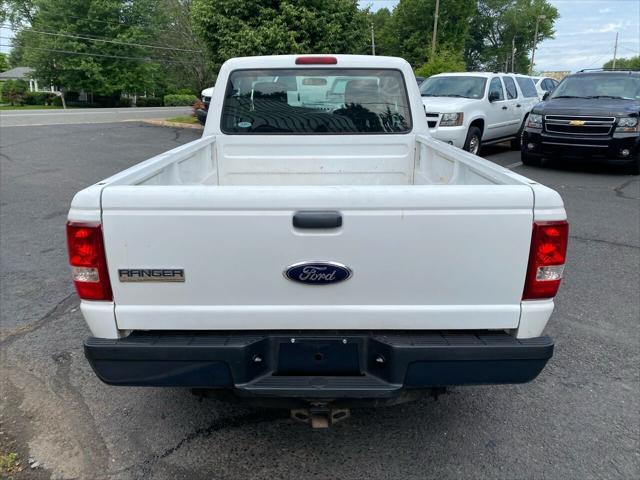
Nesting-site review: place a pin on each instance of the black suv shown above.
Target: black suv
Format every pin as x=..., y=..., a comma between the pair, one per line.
x=590, y=114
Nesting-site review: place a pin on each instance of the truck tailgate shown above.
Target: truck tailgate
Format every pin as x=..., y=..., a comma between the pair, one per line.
x=422, y=257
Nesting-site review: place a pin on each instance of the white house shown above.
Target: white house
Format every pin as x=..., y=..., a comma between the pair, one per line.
x=26, y=74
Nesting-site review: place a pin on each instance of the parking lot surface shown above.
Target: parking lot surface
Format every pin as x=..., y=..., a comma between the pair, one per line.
x=580, y=419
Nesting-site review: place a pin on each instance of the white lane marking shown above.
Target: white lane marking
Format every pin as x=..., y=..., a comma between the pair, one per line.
x=513, y=165
x=91, y=113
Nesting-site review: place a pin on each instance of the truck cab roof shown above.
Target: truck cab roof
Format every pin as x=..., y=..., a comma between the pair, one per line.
x=289, y=61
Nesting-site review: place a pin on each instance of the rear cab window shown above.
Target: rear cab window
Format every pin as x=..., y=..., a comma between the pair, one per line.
x=316, y=101
x=527, y=86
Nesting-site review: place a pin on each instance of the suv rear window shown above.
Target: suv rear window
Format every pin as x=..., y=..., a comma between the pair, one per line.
x=316, y=101
x=527, y=86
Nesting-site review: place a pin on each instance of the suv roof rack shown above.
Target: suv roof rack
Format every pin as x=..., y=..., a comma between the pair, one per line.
x=584, y=70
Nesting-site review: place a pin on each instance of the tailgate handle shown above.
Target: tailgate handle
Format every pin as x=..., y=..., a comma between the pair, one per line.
x=314, y=219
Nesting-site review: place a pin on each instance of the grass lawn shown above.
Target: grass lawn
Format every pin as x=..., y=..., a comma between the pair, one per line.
x=29, y=107
x=183, y=119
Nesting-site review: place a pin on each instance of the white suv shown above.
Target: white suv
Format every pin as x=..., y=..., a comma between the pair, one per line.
x=471, y=109
x=544, y=85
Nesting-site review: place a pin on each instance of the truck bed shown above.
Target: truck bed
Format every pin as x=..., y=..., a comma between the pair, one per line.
x=399, y=160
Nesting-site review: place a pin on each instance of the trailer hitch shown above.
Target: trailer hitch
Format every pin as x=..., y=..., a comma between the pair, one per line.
x=320, y=415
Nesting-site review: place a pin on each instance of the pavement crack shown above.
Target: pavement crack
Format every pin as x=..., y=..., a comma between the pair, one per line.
x=177, y=132
x=85, y=429
x=217, y=425
x=57, y=311
x=224, y=424
x=4, y=155
x=607, y=242
x=619, y=189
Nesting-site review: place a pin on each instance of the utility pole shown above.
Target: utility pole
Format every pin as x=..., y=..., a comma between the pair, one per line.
x=615, y=52
x=435, y=29
x=373, y=42
x=535, y=42
x=513, y=54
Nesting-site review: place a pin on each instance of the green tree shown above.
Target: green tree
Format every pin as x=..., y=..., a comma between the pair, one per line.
x=16, y=55
x=233, y=28
x=17, y=12
x=67, y=57
x=14, y=91
x=498, y=23
x=385, y=38
x=410, y=30
x=632, y=63
x=191, y=66
x=446, y=59
x=4, y=63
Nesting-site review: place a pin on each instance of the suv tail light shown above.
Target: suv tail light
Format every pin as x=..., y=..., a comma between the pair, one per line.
x=546, y=259
x=316, y=61
x=88, y=261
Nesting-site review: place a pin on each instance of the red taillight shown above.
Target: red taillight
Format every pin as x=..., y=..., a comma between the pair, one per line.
x=316, y=61
x=546, y=259
x=88, y=261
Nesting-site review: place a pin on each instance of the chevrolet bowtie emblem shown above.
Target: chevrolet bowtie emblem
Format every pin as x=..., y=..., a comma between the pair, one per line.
x=576, y=123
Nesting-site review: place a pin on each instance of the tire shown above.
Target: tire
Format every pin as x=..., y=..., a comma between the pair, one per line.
x=634, y=168
x=516, y=143
x=474, y=141
x=529, y=160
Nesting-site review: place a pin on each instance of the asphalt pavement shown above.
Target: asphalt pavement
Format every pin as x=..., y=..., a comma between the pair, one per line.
x=34, y=118
x=579, y=420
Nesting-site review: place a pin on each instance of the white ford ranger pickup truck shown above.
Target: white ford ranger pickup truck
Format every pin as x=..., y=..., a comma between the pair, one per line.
x=317, y=247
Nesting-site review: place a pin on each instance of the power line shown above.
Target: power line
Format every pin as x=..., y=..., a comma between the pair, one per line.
x=110, y=22
x=122, y=57
x=634, y=50
x=116, y=42
x=121, y=24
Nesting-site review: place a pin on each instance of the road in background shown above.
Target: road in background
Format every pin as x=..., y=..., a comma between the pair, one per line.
x=579, y=419
x=13, y=118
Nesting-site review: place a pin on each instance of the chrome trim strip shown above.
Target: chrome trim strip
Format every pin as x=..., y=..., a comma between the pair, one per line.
x=572, y=117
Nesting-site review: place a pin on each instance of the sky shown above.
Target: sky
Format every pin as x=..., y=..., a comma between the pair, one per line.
x=585, y=33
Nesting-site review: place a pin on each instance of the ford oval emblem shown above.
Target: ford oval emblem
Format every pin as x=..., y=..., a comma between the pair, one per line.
x=317, y=273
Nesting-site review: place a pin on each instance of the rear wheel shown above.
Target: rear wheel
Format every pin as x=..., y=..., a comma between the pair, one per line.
x=474, y=140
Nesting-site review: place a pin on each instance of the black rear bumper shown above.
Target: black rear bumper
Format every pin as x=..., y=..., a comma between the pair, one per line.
x=317, y=365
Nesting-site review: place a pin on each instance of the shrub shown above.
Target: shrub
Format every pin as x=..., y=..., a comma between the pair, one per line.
x=445, y=60
x=179, y=100
x=180, y=91
x=185, y=91
x=13, y=91
x=38, y=98
x=57, y=101
x=149, y=102
x=123, y=102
